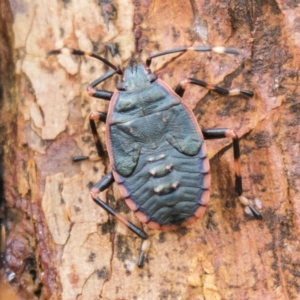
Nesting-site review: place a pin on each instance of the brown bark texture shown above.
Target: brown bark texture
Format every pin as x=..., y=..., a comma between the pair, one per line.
x=56, y=243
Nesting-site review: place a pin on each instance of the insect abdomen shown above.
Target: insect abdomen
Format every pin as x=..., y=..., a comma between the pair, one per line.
x=167, y=186
x=170, y=177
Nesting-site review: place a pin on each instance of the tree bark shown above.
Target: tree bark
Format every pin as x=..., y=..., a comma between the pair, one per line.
x=59, y=244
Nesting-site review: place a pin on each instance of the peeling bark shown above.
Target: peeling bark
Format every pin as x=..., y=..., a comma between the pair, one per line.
x=59, y=244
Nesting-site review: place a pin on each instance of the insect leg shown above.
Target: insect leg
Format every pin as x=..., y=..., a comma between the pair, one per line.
x=180, y=89
x=97, y=115
x=101, y=94
x=101, y=117
x=94, y=116
x=228, y=133
x=102, y=185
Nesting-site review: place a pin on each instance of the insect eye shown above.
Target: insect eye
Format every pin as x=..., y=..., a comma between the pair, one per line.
x=152, y=77
x=121, y=86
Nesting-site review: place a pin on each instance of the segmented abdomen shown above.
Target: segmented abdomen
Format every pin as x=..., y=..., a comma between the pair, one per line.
x=167, y=188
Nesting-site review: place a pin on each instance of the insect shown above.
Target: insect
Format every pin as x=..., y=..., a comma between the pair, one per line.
x=155, y=146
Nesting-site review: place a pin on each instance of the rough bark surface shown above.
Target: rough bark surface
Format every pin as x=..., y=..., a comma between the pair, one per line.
x=59, y=244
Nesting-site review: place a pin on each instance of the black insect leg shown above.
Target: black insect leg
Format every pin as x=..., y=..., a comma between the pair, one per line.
x=97, y=115
x=101, y=94
x=180, y=89
x=94, y=116
x=102, y=185
x=228, y=133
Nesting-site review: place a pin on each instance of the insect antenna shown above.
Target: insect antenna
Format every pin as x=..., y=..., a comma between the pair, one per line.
x=196, y=48
x=85, y=53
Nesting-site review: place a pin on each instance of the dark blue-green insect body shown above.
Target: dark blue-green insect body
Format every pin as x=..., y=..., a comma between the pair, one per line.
x=157, y=152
